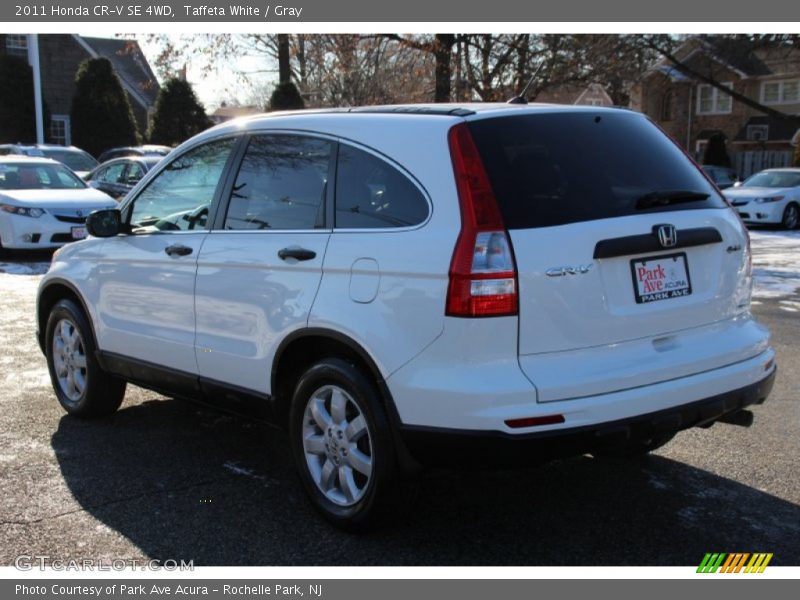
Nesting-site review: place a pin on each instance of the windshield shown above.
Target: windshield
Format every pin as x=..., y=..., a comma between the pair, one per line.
x=76, y=160
x=21, y=176
x=556, y=168
x=773, y=179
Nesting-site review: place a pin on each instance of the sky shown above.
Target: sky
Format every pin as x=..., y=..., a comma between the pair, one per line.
x=213, y=88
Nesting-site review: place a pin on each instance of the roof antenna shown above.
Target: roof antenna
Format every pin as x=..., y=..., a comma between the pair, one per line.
x=521, y=98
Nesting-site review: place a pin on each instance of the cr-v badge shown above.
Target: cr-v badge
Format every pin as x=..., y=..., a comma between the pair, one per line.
x=561, y=271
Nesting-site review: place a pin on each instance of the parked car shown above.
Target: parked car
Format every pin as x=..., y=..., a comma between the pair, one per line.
x=43, y=204
x=76, y=159
x=769, y=197
x=118, y=176
x=722, y=176
x=419, y=285
x=144, y=150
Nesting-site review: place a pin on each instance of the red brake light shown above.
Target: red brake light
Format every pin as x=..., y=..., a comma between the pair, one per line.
x=483, y=275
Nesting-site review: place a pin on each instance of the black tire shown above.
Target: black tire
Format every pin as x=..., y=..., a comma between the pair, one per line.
x=635, y=448
x=381, y=491
x=791, y=216
x=101, y=393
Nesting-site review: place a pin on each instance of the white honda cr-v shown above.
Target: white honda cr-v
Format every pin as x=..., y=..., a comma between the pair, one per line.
x=415, y=285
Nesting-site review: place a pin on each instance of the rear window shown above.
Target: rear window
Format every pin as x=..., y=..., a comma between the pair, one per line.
x=74, y=159
x=554, y=169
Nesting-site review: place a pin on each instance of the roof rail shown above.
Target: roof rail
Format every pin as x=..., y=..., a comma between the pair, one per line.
x=448, y=111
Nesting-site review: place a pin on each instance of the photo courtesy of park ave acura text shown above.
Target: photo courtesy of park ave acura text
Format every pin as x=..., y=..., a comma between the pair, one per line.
x=465, y=299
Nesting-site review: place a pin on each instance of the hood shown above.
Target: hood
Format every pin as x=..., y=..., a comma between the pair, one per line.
x=753, y=192
x=89, y=198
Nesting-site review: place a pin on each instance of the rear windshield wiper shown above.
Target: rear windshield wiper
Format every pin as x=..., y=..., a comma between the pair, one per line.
x=666, y=197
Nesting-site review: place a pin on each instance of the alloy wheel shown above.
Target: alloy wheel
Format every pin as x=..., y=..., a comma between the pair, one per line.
x=337, y=445
x=69, y=359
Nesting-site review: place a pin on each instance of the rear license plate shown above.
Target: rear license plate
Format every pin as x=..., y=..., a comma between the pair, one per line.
x=78, y=233
x=660, y=278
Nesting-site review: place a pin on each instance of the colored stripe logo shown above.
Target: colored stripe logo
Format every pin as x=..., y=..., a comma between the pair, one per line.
x=736, y=562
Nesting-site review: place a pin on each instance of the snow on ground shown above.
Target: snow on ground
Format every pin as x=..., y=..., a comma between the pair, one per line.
x=24, y=268
x=776, y=266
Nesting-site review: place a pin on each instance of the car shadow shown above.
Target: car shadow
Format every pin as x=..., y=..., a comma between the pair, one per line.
x=25, y=262
x=183, y=481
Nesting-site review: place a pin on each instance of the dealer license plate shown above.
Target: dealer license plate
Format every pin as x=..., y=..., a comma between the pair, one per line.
x=78, y=233
x=660, y=278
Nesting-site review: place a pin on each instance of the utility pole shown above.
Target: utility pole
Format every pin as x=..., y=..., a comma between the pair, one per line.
x=33, y=58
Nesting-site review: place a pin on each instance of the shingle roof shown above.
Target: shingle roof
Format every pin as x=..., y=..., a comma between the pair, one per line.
x=738, y=52
x=780, y=130
x=129, y=63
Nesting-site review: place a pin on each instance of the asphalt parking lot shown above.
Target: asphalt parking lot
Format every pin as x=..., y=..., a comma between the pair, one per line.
x=168, y=479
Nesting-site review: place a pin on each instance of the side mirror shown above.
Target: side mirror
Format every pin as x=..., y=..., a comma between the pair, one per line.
x=104, y=223
x=737, y=184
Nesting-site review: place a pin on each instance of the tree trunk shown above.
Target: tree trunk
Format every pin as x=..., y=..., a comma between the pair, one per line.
x=443, y=49
x=284, y=70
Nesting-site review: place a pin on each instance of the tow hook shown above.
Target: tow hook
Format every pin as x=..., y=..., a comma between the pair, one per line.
x=742, y=418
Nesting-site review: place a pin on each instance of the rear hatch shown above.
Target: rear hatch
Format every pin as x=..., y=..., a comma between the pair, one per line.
x=617, y=235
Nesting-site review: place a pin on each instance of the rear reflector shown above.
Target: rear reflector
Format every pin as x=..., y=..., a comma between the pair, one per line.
x=483, y=275
x=535, y=421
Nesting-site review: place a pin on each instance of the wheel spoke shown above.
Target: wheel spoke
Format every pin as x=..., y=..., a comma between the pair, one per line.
x=79, y=381
x=315, y=444
x=320, y=414
x=338, y=403
x=360, y=461
x=59, y=365
x=356, y=429
x=347, y=483
x=79, y=360
x=70, y=382
x=327, y=478
x=65, y=334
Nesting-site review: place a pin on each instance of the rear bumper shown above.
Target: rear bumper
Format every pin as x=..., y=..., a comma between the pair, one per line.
x=432, y=446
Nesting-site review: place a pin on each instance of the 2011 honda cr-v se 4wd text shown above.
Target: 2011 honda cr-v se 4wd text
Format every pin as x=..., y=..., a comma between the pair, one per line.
x=414, y=285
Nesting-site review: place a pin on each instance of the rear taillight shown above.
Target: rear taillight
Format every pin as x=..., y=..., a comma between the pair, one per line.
x=744, y=290
x=483, y=276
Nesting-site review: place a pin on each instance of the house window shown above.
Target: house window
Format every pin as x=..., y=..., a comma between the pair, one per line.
x=60, y=130
x=17, y=45
x=666, y=106
x=757, y=133
x=712, y=100
x=786, y=91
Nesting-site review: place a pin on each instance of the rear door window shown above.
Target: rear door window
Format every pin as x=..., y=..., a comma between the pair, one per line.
x=557, y=168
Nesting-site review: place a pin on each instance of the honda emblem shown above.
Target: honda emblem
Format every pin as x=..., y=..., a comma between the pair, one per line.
x=667, y=235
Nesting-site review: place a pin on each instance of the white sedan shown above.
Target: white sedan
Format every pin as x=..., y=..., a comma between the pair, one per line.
x=769, y=197
x=43, y=204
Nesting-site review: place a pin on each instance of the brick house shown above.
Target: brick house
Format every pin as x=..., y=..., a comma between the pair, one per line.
x=591, y=94
x=691, y=111
x=226, y=112
x=59, y=58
